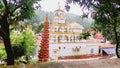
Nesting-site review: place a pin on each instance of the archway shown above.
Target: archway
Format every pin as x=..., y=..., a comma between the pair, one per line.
x=59, y=38
x=66, y=38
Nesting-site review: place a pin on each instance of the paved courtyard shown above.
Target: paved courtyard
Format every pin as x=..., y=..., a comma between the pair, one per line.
x=102, y=63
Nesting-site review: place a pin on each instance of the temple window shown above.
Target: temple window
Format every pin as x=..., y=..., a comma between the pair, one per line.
x=66, y=37
x=92, y=50
x=59, y=29
x=59, y=38
x=65, y=29
x=54, y=40
x=55, y=30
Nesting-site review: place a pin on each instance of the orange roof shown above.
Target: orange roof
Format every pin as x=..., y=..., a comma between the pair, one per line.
x=1, y=44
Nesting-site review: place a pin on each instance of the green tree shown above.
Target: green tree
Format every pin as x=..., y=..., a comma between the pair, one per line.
x=23, y=43
x=3, y=55
x=37, y=27
x=106, y=15
x=12, y=11
x=84, y=35
x=35, y=19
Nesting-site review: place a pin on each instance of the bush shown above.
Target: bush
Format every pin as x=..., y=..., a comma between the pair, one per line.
x=3, y=54
x=23, y=43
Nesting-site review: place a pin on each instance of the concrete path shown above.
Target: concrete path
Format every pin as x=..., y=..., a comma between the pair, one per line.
x=102, y=63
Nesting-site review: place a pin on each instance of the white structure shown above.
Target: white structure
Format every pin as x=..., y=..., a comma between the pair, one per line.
x=60, y=31
x=64, y=38
x=73, y=49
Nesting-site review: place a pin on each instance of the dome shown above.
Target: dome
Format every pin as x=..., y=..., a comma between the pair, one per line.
x=59, y=10
x=59, y=16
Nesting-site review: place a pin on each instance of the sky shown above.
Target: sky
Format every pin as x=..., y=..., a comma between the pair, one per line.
x=52, y=5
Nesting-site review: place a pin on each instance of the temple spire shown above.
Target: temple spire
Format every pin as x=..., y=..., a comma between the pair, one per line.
x=46, y=19
x=59, y=5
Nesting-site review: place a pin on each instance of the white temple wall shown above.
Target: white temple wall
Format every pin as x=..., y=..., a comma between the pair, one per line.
x=62, y=50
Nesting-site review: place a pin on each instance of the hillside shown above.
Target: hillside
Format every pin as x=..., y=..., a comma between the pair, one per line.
x=85, y=22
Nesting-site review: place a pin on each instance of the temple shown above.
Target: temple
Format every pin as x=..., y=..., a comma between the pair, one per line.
x=63, y=32
x=64, y=39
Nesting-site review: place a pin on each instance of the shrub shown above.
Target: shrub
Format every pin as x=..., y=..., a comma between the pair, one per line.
x=23, y=43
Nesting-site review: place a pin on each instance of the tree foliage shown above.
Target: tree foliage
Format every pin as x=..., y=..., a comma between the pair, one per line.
x=84, y=35
x=38, y=28
x=11, y=12
x=23, y=43
x=3, y=55
x=106, y=15
x=35, y=19
x=17, y=9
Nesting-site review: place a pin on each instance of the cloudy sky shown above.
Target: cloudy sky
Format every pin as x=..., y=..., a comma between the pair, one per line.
x=52, y=5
